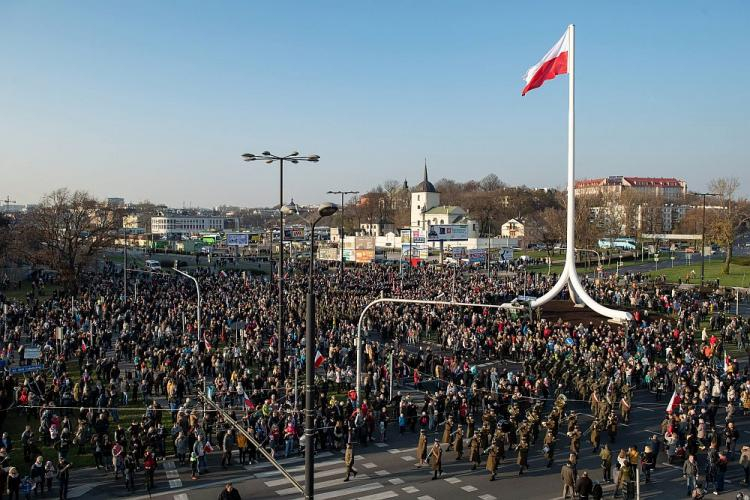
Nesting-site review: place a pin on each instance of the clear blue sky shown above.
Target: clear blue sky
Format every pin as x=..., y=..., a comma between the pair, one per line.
x=158, y=100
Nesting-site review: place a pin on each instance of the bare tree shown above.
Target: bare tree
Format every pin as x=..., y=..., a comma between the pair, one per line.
x=727, y=223
x=66, y=231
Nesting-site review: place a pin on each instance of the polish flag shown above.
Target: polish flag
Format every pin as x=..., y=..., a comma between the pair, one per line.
x=319, y=358
x=207, y=344
x=554, y=63
x=84, y=347
x=674, y=402
x=727, y=363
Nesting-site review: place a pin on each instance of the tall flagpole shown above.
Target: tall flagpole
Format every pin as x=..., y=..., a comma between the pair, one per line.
x=569, y=275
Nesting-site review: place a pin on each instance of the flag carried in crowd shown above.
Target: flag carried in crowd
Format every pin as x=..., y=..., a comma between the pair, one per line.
x=319, y=358
x=674, y=402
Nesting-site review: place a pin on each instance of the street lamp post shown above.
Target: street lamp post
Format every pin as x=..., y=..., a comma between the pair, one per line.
x=341, y=232
x=324, y=210
x=294, y=157
x=703, y=235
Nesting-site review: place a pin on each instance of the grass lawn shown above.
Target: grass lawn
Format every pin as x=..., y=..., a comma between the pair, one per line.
x=16, y=422
x=739, y=273
x=19, y=294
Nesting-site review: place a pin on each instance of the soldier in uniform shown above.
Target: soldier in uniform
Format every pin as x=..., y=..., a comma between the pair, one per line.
x=475, y=452
x=447, y=431
x=492, y=460
x=625, y=408
x=421, y=449
x=549, y=446
x=469, y=427
x=349, y=461
x=458, y=442
x=612, y=426
x=436, y=458
x=522, y=456
x=595, y=438
x=575, y=440
x=484, y=435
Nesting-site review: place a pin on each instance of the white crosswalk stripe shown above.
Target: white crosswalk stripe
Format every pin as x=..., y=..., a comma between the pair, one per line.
x=347, y=491
x=379, y=496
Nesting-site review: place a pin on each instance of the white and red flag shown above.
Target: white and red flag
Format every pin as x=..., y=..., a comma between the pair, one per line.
x=554, y=62
x=319, y=358
x=674, y=402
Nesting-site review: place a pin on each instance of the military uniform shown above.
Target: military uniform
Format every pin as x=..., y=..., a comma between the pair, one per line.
x=492, y=461
x=458, y=443
x=475, y=452
x=349, y=461
x=436, y=458
x=421, y=449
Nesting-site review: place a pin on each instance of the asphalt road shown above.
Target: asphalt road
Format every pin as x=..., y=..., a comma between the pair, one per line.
x=387, y=470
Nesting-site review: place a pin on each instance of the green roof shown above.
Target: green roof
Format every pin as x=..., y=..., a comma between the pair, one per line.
x=444, y=209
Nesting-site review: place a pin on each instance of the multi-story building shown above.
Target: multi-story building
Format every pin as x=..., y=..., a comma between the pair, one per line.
x=668, y=188
x=189, y=224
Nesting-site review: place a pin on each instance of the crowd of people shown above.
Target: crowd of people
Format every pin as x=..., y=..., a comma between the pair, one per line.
x=119, y=376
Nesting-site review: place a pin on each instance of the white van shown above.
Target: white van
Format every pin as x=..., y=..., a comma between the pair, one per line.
x=153, y=265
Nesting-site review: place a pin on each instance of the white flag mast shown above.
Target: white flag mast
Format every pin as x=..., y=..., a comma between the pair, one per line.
x=569, y=275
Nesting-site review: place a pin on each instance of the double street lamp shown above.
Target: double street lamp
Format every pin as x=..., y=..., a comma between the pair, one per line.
x=703, y=234
x=268, y=157
x=341, y=232
x=324, y=210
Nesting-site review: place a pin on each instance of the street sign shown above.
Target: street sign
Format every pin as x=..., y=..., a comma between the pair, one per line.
x=26, y=369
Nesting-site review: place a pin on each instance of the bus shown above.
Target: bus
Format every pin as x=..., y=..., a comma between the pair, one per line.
x=620, y=243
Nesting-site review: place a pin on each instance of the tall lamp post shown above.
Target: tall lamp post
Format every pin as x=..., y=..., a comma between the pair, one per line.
x=268, y=157
x=703, y=234
x=341, y=232
x=324, y=210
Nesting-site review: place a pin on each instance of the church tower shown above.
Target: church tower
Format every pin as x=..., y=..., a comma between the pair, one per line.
x=424, y=196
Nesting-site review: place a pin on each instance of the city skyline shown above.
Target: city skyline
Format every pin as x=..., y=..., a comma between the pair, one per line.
x=143, y=101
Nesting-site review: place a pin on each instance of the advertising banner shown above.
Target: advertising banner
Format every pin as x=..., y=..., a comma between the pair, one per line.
x=449, y=232
x=364, y=256
x=418, y=236
x=348, y=255
x=294, y=233
x=328, y=254
x=477, y=255
x=458, y=252
x=238, y=239
x=364, y=243
x=506, y=254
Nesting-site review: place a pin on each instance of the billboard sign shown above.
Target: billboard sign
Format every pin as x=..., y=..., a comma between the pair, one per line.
x=449, y=232
x=364, y=256
x=294, y=233
x=458, y=252
x=238, y=239
x=328, y=254
x=364, y=243
x=506, y=254
x=348, y=255
x=477, y=255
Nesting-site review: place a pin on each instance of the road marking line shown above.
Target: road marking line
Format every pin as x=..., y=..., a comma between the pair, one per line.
x=408, y=458
x=410, y=489
x=381, y=472
x=396, y=480
x=169, y=465
x=173, y=474
x=318, y=484
x=181, y=496
x=487, y=497
x=175, y=483
x=425, y=497
x=469, y=488
x=396, y=450
x=301, y=477
x=369, y=465
x=381, y=445
x=347, y=491
x=453, y=480
x=298, y=468
x=379, y=496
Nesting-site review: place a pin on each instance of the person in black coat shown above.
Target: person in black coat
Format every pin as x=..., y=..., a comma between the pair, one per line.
x=229, y=493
